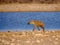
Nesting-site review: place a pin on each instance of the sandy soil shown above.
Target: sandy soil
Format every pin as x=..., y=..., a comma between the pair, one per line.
x=29, y=7
x=30, y=38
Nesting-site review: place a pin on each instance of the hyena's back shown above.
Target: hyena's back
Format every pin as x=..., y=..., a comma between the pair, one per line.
x=38, y=23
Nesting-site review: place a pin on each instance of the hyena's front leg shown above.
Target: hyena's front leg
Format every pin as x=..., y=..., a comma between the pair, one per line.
x=38, y=28
x=43, y=29
x=34, y=28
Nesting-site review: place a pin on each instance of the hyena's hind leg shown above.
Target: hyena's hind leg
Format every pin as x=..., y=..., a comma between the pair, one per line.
x=43, y=29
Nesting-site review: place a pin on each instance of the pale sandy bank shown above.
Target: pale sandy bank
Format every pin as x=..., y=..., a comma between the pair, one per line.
x=29, y=7
x=30, y=38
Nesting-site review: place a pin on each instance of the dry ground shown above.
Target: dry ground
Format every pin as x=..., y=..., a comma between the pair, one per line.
x=30, y=38
x=29, y=7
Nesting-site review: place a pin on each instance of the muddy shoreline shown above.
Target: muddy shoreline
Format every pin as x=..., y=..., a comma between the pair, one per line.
x=30, y=38
x=29, y=7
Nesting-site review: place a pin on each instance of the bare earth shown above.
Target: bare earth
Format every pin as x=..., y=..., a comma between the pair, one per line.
x=30, y=38
x=29, y=7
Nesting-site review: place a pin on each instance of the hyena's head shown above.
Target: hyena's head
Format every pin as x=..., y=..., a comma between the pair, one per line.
x=31, y=22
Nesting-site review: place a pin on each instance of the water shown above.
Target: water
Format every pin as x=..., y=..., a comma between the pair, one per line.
x=18, y=20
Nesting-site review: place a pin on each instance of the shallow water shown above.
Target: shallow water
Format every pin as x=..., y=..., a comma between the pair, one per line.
x=18, y=20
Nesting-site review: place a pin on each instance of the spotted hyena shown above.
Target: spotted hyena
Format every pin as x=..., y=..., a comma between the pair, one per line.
x=37, y=24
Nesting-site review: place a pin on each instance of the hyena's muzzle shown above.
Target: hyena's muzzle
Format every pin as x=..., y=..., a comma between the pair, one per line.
x=28, y=23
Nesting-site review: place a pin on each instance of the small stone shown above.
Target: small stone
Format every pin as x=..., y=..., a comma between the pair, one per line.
x=38, y=41
x=13, y=40
x=58, y=36
x=53, y=36
x=13, y=35
x=43, y=44
x=50, y=39
x=3, y=41
x=18, y=44
x=32, y=41
x=12, y=44
x=55, y=42
x=41, y=39
x=38, y=35
x=0, y=39
x=56, y=39
x=27, y=41
x=7, y=42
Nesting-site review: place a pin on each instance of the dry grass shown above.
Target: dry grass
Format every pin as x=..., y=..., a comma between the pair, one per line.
x=30, y=38
x=29, y=7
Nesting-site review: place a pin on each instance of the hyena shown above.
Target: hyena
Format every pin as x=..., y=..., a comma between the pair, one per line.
x=37, y=24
